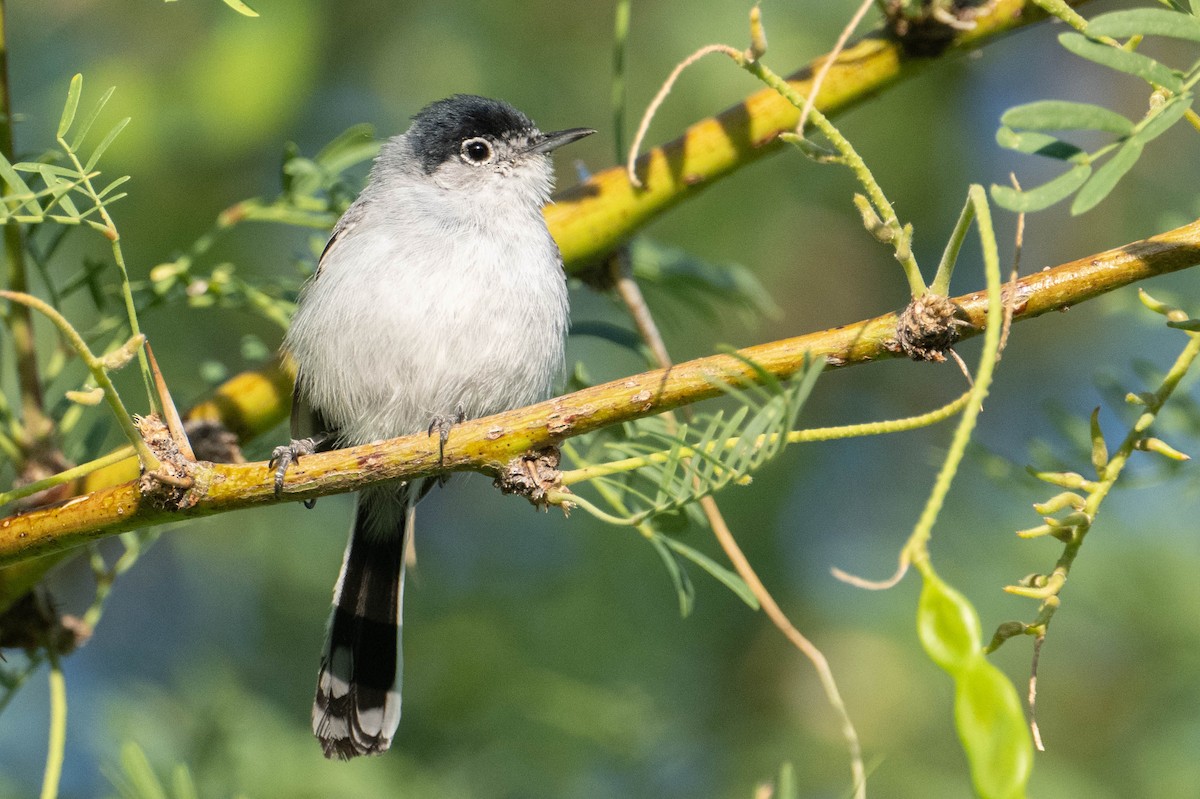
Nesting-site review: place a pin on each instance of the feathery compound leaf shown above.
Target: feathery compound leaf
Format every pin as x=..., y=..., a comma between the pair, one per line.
x=71, y=106
x=1146, y=22
x=1065, y=115
x=1135, y=64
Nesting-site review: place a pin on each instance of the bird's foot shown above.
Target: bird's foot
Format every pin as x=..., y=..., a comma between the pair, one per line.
x=285, y=455
x=442, y=425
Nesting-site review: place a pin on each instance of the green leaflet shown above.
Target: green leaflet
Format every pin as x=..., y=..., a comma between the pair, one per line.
x=1145, y=22
x=1131, y=63
x=1043, y=196
x=1065, y=115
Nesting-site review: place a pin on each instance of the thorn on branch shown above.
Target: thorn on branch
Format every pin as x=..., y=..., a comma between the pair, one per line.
x=532, y=475
x=169, y=485
x=928, y=328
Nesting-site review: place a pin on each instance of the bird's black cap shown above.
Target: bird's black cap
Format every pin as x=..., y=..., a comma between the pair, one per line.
x=440, y=128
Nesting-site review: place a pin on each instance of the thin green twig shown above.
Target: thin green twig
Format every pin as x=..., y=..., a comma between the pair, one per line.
x=572, y=476
x=916, y=549
x=58, y=727
x=66, y=476
x=619, y=83
x=1075, y=527
x=114, y=236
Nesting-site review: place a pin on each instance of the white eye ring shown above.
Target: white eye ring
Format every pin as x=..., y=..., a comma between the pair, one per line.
x=476, y=151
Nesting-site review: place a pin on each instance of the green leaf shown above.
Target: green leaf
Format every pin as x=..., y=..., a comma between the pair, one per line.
x=1166, y=117
x=1147, y=22
x=991, y=726
x=727, y=577
x=1066, y=115
x=353, y=146
x=84, y=127
x=20, y=189
x=1043, y=144
x=785, y=784
x=1106, y=177
x=1135, y=64
x=140, y=780
x=185, y=786
x=672, y=275
x=947, y=625
x=104, y=143
x=241, y=8
x=683, y=584
x=40, y=168
x=1043, y=196
x=121, y=181
x=71, y=106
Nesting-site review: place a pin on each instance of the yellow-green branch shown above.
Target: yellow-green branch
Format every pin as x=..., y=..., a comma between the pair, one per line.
x=592, y=219
x=486, y=444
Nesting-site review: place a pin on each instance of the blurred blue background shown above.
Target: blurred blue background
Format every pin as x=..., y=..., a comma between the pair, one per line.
x=547, y=657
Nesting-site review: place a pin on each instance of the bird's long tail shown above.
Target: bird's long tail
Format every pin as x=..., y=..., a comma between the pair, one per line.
x=357, y=707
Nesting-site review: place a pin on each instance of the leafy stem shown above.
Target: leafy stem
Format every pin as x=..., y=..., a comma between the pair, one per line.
x=879, y=214
x=1075, y=525
x=108, y=228
x=98, y=367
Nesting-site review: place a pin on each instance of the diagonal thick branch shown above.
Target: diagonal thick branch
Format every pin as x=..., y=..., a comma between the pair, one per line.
x=592, y=219
x=487, y=444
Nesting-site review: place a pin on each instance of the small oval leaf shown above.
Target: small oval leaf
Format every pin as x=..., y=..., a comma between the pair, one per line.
x=1043, y=196
x=1066, y=115
x=1135, y=64
x=1146, y=22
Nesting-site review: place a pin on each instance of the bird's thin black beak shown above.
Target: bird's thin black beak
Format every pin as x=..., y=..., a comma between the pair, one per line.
x=552, y=141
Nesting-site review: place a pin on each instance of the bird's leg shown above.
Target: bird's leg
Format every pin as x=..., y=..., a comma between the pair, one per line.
x=442, y=425
x=285, y=455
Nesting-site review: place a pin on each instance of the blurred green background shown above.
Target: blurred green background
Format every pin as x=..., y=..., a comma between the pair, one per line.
x=547, y=657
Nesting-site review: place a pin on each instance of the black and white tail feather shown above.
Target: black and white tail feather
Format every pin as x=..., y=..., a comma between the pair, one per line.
x=357, y=705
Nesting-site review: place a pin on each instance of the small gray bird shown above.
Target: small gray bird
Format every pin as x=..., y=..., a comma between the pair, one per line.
x=440, y=297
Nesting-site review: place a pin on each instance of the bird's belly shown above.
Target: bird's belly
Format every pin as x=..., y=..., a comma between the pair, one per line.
x=482, y=342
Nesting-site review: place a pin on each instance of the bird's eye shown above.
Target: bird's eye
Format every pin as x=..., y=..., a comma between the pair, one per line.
x=476, y=151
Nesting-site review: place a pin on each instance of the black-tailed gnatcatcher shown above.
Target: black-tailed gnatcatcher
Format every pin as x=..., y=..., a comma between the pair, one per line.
x=439, y=297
